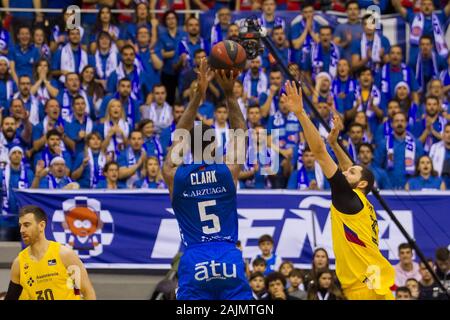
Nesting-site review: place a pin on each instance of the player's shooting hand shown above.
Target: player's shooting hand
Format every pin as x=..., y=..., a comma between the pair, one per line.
x=293, y=98
x=226, y=82
x=335, y=130
x=202, y=77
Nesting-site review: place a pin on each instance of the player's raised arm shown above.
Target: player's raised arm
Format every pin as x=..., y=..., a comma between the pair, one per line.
x=294, y=100
x=186, y=122
x=236, y=118
x=344, y=161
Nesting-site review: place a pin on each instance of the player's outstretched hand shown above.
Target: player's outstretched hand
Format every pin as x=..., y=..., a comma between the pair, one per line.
x=336, y=129
x=202, y=77
x=226, y=82
x=293, y=97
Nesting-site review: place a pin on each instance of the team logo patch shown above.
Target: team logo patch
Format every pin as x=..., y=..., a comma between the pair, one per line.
x=352, y=236
x=52, y=262
x=30, y=282
x=83, y=226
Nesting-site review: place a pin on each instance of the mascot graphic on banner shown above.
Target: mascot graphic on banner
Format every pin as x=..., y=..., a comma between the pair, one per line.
x=83, y=226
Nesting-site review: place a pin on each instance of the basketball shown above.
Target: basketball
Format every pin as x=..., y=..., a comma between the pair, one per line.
x=228, y=55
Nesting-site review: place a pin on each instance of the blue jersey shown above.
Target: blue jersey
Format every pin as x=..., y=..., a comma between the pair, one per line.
x=204, y=202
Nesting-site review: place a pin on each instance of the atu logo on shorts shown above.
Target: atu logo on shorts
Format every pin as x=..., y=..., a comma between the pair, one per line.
x=83, y=226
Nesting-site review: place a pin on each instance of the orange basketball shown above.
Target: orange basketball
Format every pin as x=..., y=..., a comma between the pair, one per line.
x=227, y=55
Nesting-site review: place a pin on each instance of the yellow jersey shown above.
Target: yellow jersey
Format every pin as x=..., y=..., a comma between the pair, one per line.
x=359, y=262
x=46, y=279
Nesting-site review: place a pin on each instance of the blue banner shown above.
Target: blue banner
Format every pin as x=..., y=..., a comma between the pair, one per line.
x=135, y=229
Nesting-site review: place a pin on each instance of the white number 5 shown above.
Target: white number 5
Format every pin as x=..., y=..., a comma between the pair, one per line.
x=205, y=217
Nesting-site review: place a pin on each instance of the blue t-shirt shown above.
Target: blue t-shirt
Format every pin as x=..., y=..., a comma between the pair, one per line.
x=398, y=173
x=420, y=183
x=168, y=44
x=302, y=56
x=72, y=130
x=283, y=53
x=204, y=202
x=130, y=31
x=311, y=174
x=356, y=31
x=5, y=100
x=394, y=76
x=103, y=184
x=382, y=180
x=25, y=4
x=24, y=60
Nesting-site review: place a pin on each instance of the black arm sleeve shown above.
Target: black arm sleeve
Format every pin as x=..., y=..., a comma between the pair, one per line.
x=343, y=197
x=14, y=291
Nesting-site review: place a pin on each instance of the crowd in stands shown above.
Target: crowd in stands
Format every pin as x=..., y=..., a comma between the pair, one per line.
x=95, y=106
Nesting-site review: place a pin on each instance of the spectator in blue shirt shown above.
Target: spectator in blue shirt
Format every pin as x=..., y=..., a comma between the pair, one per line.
x=59, y=35
x=150, y=57
x=304, y=33
x=15, y=175
x=52, y=121
x=105, y=58
x=325, y=54
x=347, y=33
x=72, y=89
x=111, y=181
x=425, y=22
x=385, y=128
x=281, y=47
x=396, y=71
x=71, y=58
x=440, y=154
x=426, y=177
x=344, y=87
x=257, y=162
x=368, y=99
x=23, y=55
x=428, y=64
x=365, y=157
x=152, y=144
x=44, y=86
x=23, y=125
x=41, y=43
x=169, y=38
x=269, y=19
x=371, y=50
x=7, y=84
x=53, y=149
x=128, y=36
x=81, y=125
x=131, y=159
x=89, y=163
x=93, y=90
x=31, y=103
x=221, y=25
x=255, y=80
x=308, y=175
x=398, y=152
x=152, y=177
x=165, y=136
x=55, y=176
x=189, y=44
x=159, y=110
x=269, y=100
x=430, y=128
x=103, y=23
x=130, y=105
x=131, y=68
x=9, y=137
x=284, y=125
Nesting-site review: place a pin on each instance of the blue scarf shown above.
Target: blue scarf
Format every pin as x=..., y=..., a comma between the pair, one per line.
x=47, y=156
x=158, y=149
x=4, y=39
x=349, y=86
x=317, y=59
x=410, y=152
x=441, y=122
x=419, y=71
x=6, y=178
x=53, y=184
x=129, y=109
x=302, y=176
x=147, y=184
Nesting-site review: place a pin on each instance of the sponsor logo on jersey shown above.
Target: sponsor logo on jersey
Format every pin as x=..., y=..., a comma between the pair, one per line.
x=210, y=270
x=52, y=262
